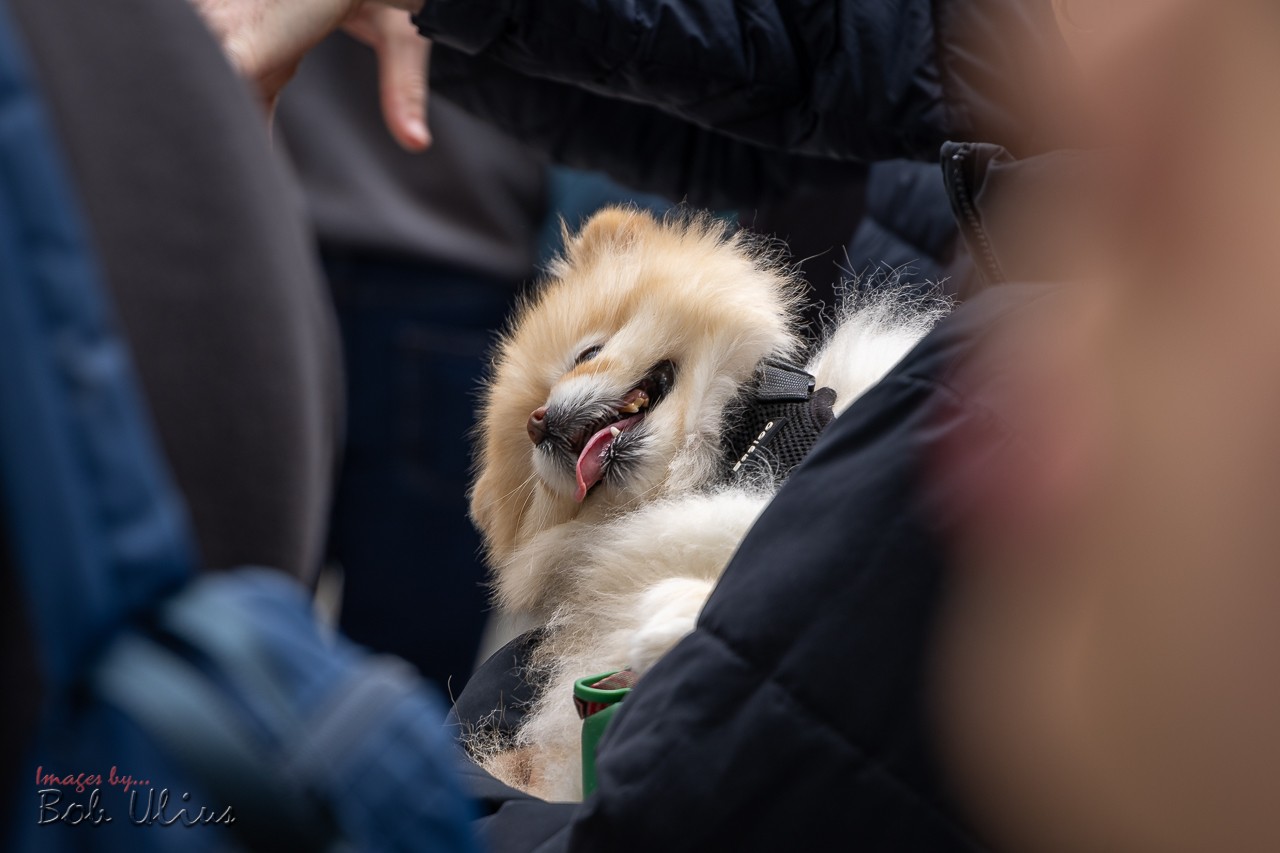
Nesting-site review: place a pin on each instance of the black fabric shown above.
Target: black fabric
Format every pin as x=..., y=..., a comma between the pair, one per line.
x=494, y=707
x=637, y=145
x=837, y=79
x=740, y=739
x=813, y=204
x=909, y=200
x=909, y=238
x=761, y=105
x=774, y=425
x=1021, y=219
x=20, y=674
x=778, y=436
x=210, y=269
x=983, y=219
x=528, y=824
x=500, y=693
x=778, y=382
x=815, y=223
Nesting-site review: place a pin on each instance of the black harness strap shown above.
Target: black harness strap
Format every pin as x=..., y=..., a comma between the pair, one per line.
x=775, y=423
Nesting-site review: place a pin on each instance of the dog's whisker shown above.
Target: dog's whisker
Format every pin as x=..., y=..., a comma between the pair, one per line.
x=518, y=489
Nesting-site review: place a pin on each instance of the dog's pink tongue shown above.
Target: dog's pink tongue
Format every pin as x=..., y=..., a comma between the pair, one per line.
x=591, y=462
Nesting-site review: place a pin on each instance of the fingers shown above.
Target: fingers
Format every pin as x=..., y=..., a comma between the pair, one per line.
x=266, y=39
x=363, y=26
x=403, y=57
x=271, y=85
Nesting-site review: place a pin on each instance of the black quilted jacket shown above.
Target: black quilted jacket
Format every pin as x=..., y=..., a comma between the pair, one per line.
x=727, y=101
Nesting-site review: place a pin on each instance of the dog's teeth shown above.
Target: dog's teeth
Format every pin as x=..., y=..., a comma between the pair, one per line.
x=634, y=401
x=615, y=431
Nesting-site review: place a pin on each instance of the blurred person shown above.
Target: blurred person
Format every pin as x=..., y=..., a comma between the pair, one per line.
x=171, y=405
x=1106, y=676
x=424, y=252
x=206, y=298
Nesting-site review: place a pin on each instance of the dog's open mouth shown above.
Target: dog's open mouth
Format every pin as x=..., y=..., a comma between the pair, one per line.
x=601, y=440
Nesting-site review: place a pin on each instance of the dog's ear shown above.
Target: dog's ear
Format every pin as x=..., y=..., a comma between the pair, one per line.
x=609, y=229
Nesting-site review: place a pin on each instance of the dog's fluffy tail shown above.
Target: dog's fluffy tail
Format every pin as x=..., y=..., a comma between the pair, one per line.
x=874, y=331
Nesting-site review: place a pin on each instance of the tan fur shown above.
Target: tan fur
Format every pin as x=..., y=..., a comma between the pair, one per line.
x=620, y=578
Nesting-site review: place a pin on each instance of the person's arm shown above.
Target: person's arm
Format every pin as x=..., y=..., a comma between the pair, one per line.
x=638, y=146
x=840, y=79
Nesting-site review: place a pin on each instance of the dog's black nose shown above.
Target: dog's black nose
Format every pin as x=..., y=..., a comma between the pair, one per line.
x=537, y=425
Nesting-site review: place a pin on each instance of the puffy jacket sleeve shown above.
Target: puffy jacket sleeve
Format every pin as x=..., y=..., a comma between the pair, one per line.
x=639, y=146
x=840, y=79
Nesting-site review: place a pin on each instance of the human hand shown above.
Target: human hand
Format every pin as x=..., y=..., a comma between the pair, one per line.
x=403, y=59
x=266, y=39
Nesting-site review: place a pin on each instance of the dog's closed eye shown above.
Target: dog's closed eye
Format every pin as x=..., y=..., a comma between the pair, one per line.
x=588, y=354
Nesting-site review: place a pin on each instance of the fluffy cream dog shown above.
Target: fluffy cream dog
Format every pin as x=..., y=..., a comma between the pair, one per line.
x=607, y=507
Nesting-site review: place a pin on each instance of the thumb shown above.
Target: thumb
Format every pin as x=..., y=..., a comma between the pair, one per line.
x=402, y=70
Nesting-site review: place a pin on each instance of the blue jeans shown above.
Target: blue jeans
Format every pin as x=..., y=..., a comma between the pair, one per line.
x=416, y=339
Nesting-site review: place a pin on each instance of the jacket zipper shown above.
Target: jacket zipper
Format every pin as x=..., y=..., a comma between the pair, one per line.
x=977, y=234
